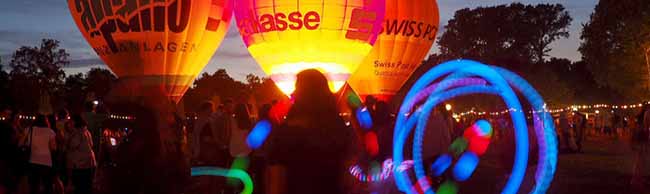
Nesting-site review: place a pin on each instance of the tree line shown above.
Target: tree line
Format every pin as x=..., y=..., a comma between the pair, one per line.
x=615, y=48
x=35, y=72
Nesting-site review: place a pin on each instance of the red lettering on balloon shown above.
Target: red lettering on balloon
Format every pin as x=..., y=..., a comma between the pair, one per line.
x=279, y=22
x=360, y=27
x=296, y=22
x=312, y=20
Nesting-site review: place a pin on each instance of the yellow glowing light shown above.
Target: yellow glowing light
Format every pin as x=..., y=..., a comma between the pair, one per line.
x=448, y=107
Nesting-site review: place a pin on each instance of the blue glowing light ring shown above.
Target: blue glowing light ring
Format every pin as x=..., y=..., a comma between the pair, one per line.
x=458, y=70
x=230, y=173
x=511, y=100
x=544, y=129
x=509, y=96
x=426, y=111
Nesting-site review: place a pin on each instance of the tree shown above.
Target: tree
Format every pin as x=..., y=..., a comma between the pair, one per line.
x=218, y=84
x=36, y=71
x=100, y=81
x=506, y=34
x=74, y=92
x=43, y=64
x=516, y=37
x=253, y=81
x=4, y=86
x=266, y=92
x=545, y=24
x=615, y=46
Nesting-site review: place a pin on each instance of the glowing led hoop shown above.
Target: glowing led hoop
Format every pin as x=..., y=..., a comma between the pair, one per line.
x=497, y=81
x=230, y=173
x=387, y=171
x=544, y=130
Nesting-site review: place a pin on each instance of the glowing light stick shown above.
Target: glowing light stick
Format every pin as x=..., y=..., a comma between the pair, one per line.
x=230, y=173
x=258, y=135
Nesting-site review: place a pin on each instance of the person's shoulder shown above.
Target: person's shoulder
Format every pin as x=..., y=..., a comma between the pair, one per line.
x=46, y=130
x=50, y=131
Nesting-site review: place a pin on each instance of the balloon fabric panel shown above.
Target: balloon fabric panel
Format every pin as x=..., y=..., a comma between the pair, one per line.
x=288, y=36
x=154, y=44
x=409, y=31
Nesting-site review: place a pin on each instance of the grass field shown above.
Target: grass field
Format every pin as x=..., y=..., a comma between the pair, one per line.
x=605, y=167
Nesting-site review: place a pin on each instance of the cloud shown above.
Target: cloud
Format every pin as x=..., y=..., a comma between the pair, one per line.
x=83, y=63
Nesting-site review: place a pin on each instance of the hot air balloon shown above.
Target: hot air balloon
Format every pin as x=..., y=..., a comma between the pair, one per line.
x=154, y=46
x=408, y=33
x=288, y=36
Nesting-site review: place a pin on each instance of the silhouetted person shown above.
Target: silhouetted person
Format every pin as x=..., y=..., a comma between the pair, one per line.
x=309, y=153
x=8, y=149
x=579, y=127
x=240, y=128
x=80, y=157
x=206, y=144
x=566, y=133
x=383, y=122
x=137, y=170
x=641, y=146
x=43, y=143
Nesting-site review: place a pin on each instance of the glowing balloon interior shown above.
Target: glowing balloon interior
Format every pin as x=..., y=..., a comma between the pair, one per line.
x=409, y=31
x=154, y=45
x=288, y=36
x=461, y=78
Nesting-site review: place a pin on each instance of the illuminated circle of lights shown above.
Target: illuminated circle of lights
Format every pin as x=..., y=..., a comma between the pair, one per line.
x=465, y=77
x=387, y=170
x=230, y=173
x=382, y=175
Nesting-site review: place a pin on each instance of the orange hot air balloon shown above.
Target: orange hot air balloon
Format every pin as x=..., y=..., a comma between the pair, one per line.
x=288, y=36
x=154, y=45
x=409, y=31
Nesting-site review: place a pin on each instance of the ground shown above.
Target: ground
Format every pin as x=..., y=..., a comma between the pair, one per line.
x=604, y=167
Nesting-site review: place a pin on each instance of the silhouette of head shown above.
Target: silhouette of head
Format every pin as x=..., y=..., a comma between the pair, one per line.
x=312, y=95
x=242, y=116
x=41, y=121
x=78, y=121
x=371, y=101
x=206, y=108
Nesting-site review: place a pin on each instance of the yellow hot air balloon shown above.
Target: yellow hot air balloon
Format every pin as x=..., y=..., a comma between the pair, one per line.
x=288, y=36
x=409, y=31
x=154, y=45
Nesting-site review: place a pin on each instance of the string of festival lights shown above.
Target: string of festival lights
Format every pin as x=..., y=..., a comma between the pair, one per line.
x=568, y=108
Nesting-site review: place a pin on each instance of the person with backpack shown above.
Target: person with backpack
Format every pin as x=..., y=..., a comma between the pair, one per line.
x=41, y=139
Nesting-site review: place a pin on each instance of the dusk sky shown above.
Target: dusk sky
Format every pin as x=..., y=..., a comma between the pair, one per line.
x=26, y=22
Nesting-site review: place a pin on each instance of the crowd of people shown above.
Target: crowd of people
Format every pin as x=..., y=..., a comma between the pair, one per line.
x=51, y=154
x=310, y=149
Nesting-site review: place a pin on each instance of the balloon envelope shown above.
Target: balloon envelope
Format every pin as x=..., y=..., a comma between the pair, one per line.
x=288, y=36
x=154, y=45
x=409, y=31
